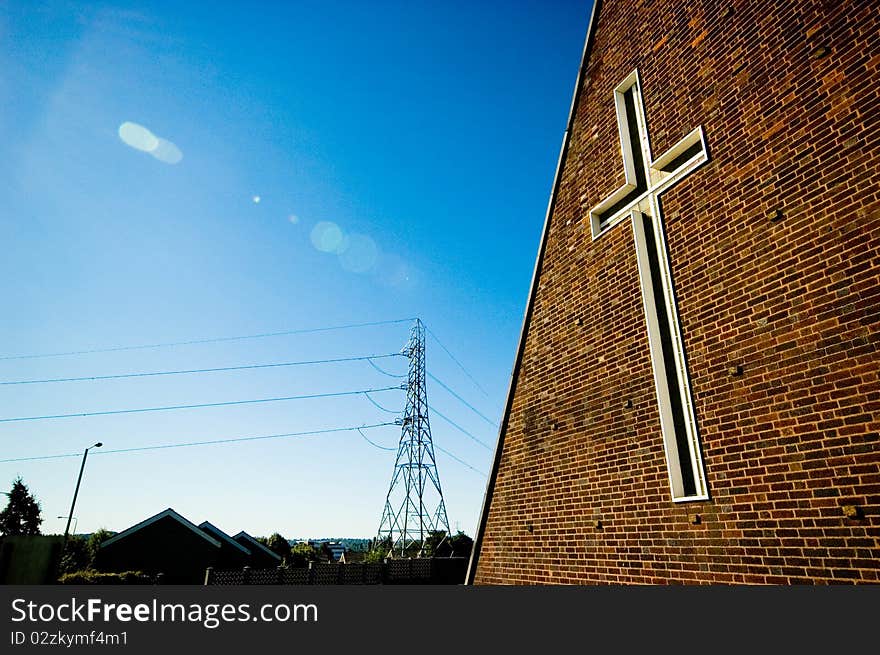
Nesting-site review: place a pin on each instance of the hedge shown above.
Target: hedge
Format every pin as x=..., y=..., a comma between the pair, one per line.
x=92, y=577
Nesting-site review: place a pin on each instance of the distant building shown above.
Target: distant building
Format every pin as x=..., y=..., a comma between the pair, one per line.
x=352, y=557
x=336, y=549
x=327, y=549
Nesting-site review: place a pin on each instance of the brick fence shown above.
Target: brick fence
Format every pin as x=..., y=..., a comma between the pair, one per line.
x=440, y=570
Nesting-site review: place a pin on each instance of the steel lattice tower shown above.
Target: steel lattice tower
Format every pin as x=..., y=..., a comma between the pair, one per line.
x=414, y=506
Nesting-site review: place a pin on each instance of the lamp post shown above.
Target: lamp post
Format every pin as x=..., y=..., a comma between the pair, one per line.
x=75, y=519
x=76, y=491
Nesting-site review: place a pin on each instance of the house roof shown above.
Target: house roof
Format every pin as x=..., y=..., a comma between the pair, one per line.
x=168, y=513
x=218, y=533
x=256, y=544
x=352, y=557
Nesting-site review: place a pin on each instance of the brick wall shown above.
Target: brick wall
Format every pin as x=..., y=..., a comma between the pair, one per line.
x=775, y=252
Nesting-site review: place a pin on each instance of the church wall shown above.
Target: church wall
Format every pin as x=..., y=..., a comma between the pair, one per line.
x=774, y=247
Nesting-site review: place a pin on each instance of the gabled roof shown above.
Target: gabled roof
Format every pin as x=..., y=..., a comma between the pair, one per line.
x=256, y=544
x=352, y=557
x=218, y=533
x=168, y=513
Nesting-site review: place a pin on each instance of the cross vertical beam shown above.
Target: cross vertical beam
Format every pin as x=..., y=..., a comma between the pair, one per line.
x=638, y=199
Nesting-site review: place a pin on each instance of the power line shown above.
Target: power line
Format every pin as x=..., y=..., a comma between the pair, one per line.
x=199, y=443
x=460, y=365
x=460, y=461
x=459, y=428
x=212, y=442
x=212, y=340
x=373, y=443
x=378, y=406
x=384, y=372
x=368, y=358
x=200, y=405
x=466, y=403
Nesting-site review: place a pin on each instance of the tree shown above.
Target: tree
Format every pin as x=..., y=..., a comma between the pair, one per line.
x=374, y=556
x=378, y=550
x=22, y=513
x=437, y=544
x=81, y=553
x=94, y=544
x=303, y=553
x=76, y=555
x=278, y=545
x=462, y=545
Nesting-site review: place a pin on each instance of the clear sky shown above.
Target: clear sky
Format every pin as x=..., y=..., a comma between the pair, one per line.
x=181, y=171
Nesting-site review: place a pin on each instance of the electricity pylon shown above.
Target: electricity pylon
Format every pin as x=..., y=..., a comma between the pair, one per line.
x=414, y=506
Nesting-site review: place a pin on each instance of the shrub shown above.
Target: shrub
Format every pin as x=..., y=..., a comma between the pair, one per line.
x=92, y=577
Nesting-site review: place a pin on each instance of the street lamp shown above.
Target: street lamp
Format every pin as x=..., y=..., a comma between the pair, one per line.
x=75, y=519
x=76, y=491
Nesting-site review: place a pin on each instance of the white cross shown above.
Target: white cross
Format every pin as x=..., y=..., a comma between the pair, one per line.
x=639, y=198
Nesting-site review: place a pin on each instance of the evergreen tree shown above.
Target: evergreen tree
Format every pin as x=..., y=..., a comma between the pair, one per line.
x=22, y=513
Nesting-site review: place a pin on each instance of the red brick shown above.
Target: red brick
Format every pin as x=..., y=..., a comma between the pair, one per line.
x=795, y=302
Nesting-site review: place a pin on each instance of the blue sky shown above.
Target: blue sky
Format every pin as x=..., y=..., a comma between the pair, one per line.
x=185, y=171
